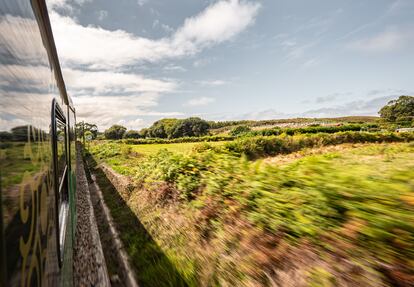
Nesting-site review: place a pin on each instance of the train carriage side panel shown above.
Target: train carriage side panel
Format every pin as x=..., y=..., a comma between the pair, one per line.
x=35, y=171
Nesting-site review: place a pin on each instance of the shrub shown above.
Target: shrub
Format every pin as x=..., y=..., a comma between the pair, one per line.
x=255, y=147
x=240, y=130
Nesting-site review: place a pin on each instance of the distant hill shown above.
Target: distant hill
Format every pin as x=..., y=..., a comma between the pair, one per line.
x=223, y=126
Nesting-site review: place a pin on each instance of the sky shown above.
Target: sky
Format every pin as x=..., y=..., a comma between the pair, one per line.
x=132, y=62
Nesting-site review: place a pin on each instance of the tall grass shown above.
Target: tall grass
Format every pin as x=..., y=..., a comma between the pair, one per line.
x=250, y=220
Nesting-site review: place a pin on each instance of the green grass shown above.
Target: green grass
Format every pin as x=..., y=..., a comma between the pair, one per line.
x=231, y=214
x=151, y=149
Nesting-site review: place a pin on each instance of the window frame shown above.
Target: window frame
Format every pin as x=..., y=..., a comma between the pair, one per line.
x=60, y=180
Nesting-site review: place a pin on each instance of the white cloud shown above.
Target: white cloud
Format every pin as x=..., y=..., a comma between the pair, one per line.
x=142, y=2
x=107, y=110
x=97, y=47
x=103, y=82
x=132, y=124
x=105, y=95
x=213, y=83
x=219, y=22
x=391, y=39
x=202, y=62
x=203, y=101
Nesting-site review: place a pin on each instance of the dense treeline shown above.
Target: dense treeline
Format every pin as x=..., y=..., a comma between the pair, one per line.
x=163, y=129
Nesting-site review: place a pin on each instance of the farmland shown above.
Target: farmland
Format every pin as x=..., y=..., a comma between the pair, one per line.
x=325, y=209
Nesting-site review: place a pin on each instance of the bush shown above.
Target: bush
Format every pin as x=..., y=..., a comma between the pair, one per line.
x=254, y=147
x=240, y=130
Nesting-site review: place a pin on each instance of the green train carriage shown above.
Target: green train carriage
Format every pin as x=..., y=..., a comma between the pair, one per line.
x=37, y=152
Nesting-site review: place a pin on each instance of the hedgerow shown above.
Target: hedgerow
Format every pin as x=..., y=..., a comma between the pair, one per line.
x=254, y=147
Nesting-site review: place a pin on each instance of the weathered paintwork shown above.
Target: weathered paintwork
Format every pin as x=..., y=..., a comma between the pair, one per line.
x=30, y=79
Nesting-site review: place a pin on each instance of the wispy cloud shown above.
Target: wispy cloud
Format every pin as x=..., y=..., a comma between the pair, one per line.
x=391, y=39
x=202, y=101
x=174, y=68
x=102, y=14
x=368, y=107
x=202, y=62
x=166, y=28
x=332, y=97
x=212, y=83
x=142, y=2
x=398, y=6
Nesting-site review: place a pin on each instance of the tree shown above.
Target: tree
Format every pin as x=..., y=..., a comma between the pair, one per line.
x=131, y=134
x=400, y=110
x=115, y=132
x=143, y=132
x=162, y=128
x=191, y=127
x=82, y=128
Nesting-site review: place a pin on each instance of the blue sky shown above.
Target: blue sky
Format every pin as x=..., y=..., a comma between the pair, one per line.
x=134, y=61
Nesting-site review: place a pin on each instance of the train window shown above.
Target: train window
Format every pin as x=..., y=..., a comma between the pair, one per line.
x=60, y=172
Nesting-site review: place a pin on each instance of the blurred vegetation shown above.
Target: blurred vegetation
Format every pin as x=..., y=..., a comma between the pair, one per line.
x=254, y=147
x=337, y=219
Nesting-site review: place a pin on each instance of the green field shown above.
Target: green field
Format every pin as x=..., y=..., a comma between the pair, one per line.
x=248, y=220
x=150, y=149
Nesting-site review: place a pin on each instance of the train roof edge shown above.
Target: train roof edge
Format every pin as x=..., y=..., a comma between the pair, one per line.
x=49, y=42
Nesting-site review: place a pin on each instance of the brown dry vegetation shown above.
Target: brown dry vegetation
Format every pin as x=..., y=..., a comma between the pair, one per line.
x=212, y=240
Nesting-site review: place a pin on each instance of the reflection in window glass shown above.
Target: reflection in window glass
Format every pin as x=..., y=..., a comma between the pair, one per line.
x=61, y=149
